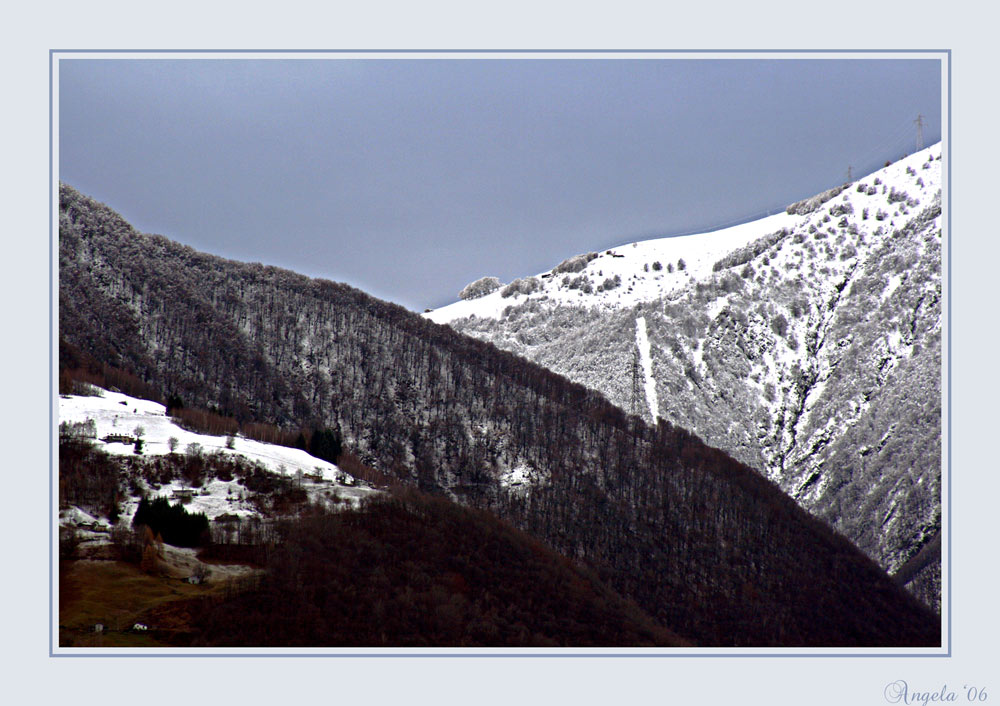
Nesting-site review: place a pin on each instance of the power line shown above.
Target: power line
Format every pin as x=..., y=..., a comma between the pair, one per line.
x=892, y=143
x=888, y=149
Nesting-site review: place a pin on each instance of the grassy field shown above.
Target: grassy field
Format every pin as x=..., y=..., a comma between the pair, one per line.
x=118, y=595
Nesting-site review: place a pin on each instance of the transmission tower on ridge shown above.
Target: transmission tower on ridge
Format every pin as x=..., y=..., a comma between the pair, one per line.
x=920, y=131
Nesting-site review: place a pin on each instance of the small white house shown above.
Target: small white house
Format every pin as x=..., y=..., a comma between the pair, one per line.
x=183, y=494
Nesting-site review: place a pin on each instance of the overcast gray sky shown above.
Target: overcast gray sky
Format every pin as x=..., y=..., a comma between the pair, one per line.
x=411, y=177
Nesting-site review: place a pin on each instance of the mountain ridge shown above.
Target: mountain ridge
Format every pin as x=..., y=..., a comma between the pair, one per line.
x=786, y=342
x=685, y=531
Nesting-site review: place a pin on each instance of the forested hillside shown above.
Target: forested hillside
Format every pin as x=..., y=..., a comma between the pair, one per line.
x=807, y=345
x=409, y=570
x=702, y=543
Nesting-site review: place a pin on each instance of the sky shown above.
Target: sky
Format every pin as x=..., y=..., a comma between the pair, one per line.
x=411, y=177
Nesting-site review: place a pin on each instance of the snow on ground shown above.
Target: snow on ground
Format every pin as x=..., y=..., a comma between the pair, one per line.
x=76, y=516
x=117, y=413
x=642, y=342
x=635, y=263
x=214, y=498
x=521, y=478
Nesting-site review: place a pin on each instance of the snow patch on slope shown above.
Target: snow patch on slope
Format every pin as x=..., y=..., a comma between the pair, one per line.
x=522, y=478
x=646, y=360
x=119, y=414
x=648, y=270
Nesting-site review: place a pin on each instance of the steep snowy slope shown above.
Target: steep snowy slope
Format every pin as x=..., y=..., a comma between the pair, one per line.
x=806, y=344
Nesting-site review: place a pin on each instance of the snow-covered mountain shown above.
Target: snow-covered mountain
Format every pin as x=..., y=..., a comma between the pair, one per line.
x=806, y=344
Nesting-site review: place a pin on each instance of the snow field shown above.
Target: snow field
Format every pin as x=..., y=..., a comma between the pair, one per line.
x=642, y=282
x=117, y=413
